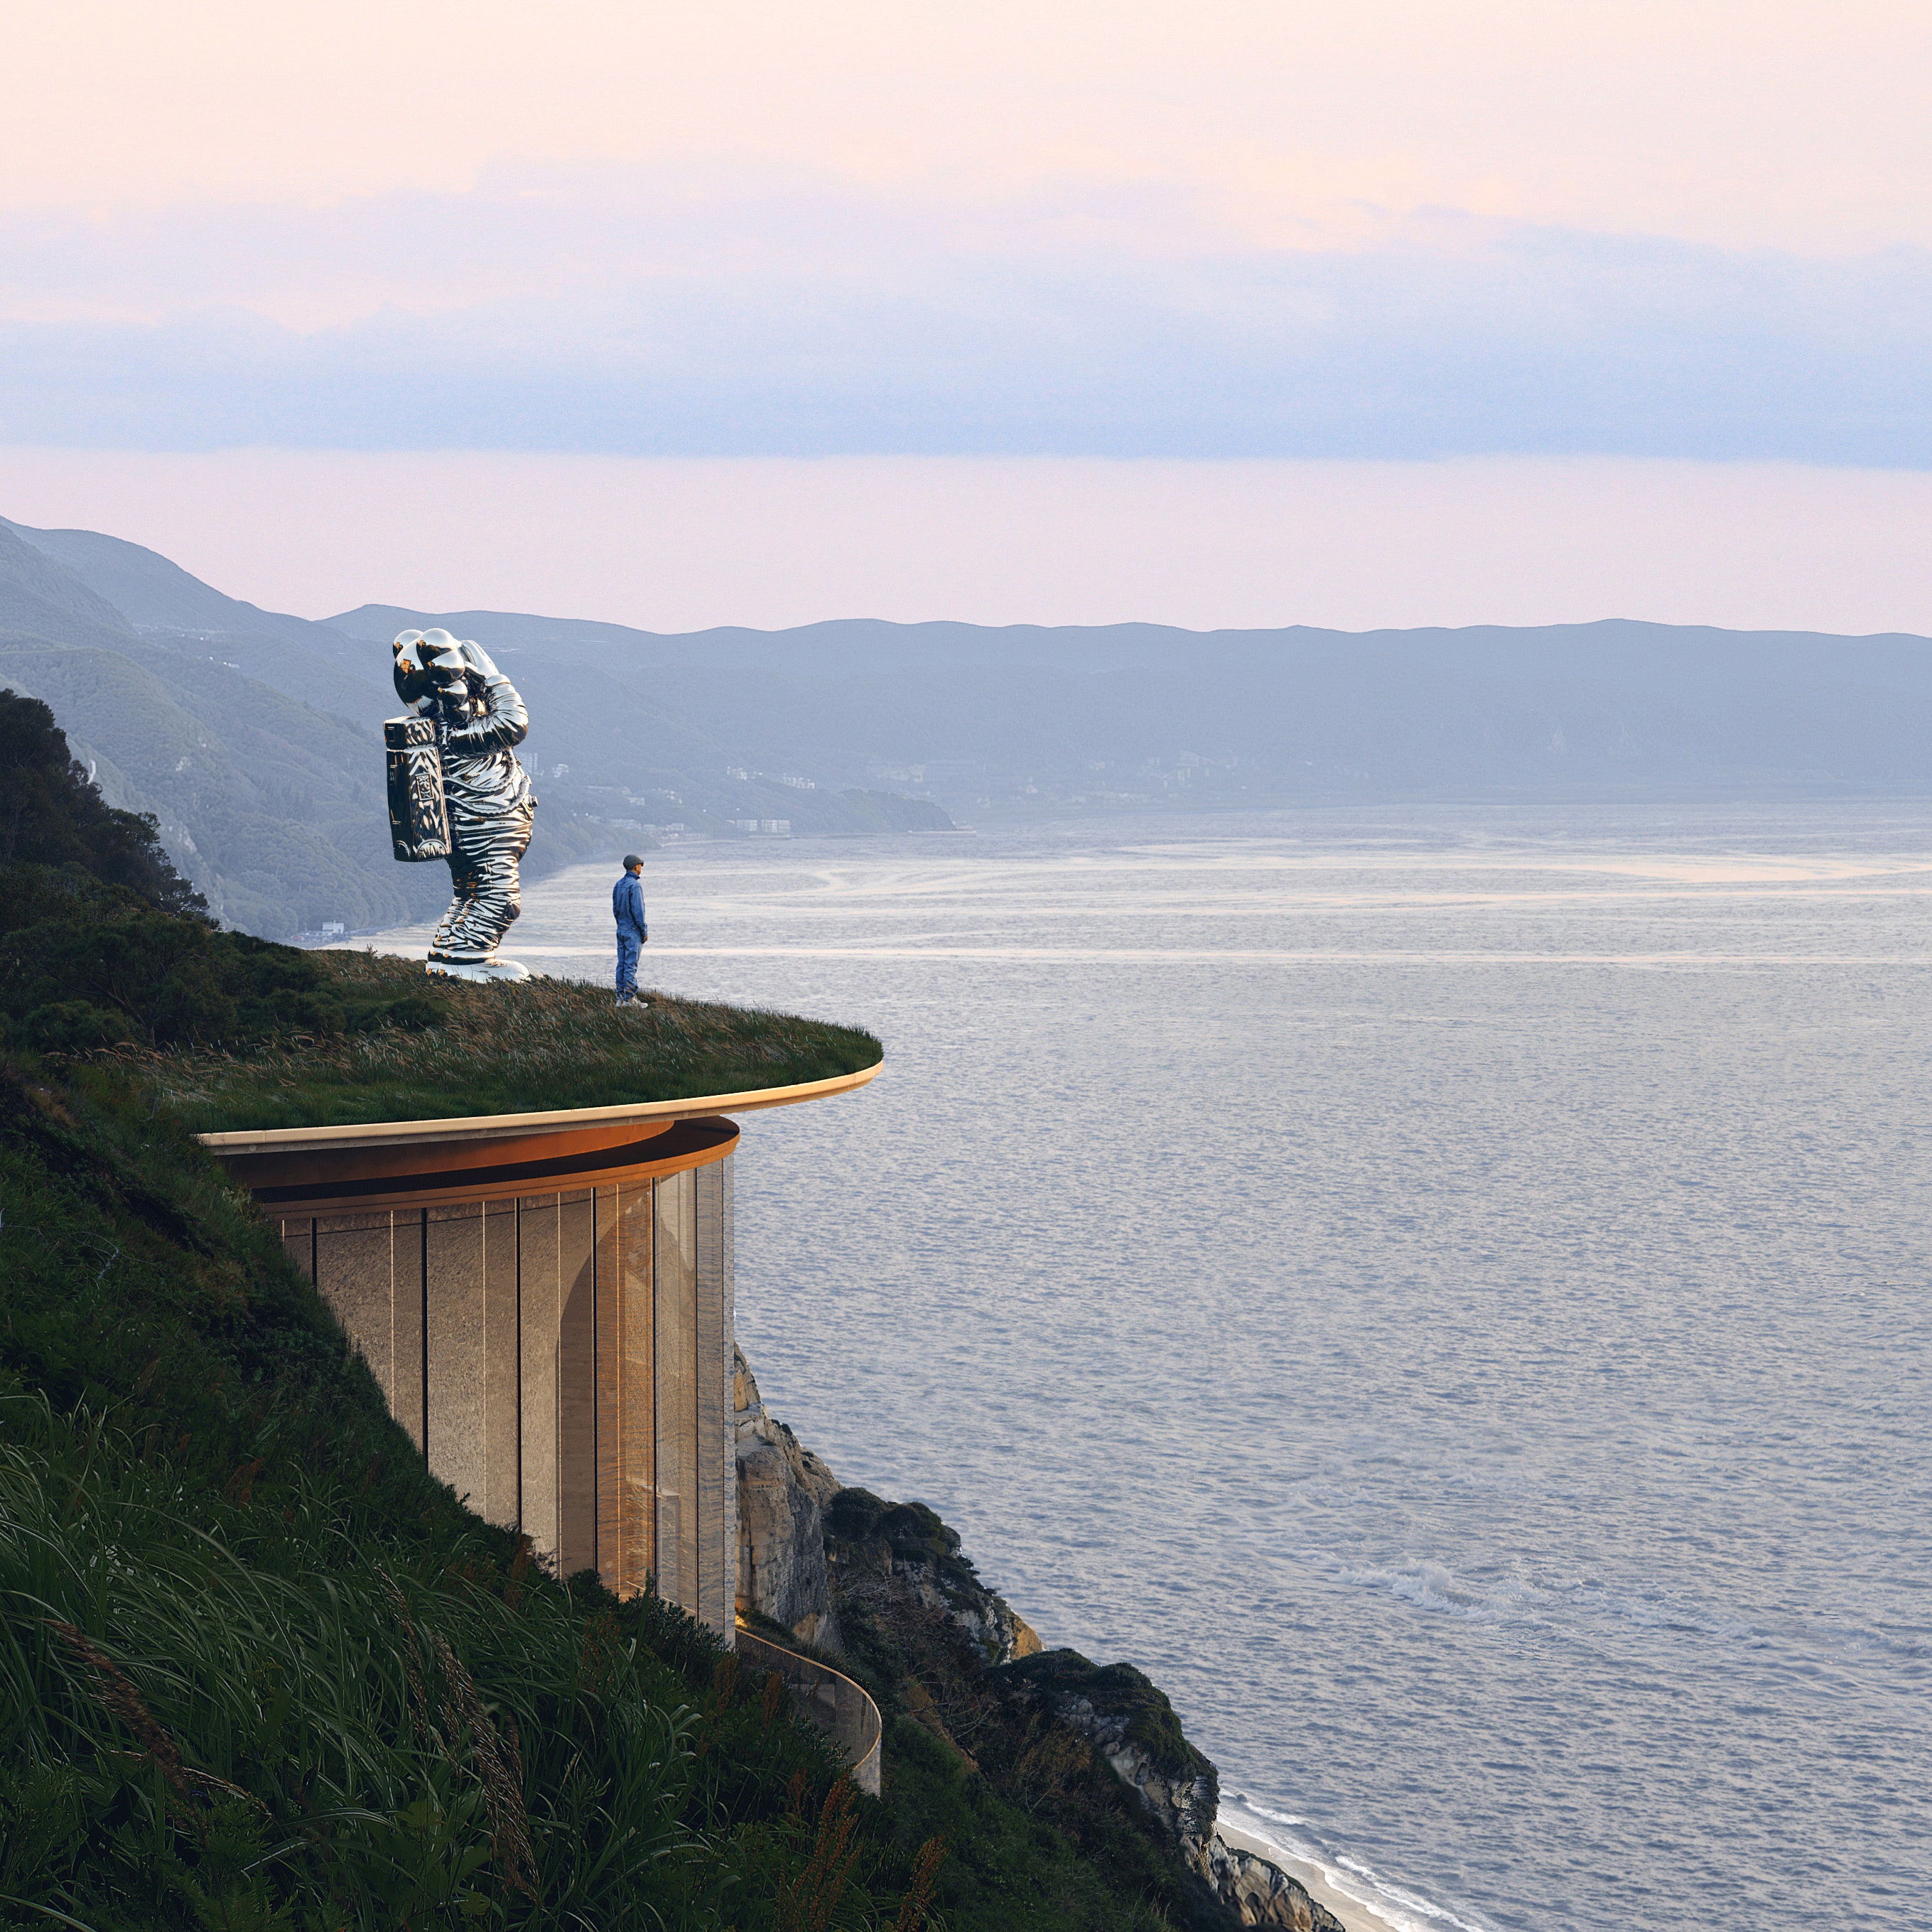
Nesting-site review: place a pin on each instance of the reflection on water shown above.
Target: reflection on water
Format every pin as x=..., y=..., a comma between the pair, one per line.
x=1443, y=1292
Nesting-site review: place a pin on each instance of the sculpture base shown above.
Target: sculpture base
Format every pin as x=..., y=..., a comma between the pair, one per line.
x=482, y=972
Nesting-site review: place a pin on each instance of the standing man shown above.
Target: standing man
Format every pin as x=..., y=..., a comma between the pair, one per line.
x=627, y=904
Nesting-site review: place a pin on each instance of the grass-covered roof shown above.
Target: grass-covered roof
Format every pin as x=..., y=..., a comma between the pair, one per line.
x=464, y=1050
x=230, y=1033
x=105, y=953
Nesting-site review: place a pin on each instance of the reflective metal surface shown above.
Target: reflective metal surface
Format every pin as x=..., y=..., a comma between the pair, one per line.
x=472, y=717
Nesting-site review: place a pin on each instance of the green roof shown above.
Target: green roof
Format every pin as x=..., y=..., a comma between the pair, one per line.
x=443, y=1049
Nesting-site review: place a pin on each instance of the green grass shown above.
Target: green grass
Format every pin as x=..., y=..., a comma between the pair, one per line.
x=524, y=1047
x=258, y=1668
x=228, y=1032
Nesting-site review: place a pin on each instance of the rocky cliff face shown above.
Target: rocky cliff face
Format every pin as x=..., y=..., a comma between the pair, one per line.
x=1127, y=1718
x=935, y=1644
x=783, y=1493
x=904, y=1549
x=803, y=1540
x=1258, y=1893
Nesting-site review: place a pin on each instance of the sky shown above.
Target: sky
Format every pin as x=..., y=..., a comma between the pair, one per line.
x=1183, y=266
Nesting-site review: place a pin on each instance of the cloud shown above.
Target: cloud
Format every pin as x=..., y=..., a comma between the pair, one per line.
x=1780, y=123
x=649, y=313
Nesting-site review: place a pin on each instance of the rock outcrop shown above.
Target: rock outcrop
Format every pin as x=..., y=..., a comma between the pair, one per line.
x=1258, y=1893
x=793, y=1516
x=869, y=1541
x=935, y=1645
x=783, y=1491
x=1126, y=1717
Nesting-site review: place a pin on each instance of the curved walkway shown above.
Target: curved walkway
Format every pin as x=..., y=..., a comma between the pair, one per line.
x=830, y=1699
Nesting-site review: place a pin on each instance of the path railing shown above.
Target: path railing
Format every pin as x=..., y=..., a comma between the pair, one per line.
x=829, y=1698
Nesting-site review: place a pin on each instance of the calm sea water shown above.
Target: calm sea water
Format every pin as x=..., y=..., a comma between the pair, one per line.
x=1445, y=1292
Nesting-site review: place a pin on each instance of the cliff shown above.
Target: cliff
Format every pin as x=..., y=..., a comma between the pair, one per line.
x=1095, y=1751
x=201, y=1483
x=784, y=1491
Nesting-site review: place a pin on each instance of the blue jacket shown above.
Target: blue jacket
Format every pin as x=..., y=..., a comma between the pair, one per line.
x=627, y=905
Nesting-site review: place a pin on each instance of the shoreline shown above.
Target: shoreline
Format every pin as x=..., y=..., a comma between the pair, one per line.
x=1358, y=1902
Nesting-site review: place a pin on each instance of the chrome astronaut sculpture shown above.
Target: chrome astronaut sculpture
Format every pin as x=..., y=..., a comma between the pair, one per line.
x=457, y=792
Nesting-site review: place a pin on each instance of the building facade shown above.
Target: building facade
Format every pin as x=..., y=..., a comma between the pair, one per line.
x=546, y=1301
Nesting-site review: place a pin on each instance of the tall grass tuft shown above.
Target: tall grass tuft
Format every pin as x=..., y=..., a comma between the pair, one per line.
x=189, y=1715
x=220, y=1715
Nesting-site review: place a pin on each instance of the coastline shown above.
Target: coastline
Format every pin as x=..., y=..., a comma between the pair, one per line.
x=1358, y=1902
x=884, y=1590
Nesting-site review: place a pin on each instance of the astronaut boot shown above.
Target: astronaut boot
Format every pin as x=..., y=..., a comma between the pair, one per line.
x=479, y=972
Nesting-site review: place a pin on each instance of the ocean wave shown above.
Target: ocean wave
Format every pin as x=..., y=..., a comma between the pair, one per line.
x=1432, y=1586
x=1516, y=1601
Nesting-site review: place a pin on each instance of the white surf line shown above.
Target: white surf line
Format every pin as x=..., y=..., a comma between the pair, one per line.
x=1353, y=1891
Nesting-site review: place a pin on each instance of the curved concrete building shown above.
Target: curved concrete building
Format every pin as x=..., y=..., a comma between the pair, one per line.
x=546, y=1301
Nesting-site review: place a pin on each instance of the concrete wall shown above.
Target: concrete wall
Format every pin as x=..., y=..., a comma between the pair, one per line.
x=565, y=1362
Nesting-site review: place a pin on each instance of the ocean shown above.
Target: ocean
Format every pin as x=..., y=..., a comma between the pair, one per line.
x=1444, y=1291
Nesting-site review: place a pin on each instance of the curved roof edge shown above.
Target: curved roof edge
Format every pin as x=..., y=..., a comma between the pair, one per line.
x=503, y=1126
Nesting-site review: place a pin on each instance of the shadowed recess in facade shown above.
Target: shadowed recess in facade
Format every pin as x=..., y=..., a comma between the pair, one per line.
x=563, y=1359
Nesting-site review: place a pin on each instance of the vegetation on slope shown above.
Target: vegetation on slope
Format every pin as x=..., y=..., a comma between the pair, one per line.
x=51, y=814
x=103, y=950
x=258, y=1668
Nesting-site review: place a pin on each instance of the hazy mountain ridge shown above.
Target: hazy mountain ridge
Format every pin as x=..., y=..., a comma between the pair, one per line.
x=269, y=796
x=151, y=593
x=252, y=735
x=1107, y=715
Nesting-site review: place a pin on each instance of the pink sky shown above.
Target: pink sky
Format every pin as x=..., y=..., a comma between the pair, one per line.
x=1404, y=312
x=682, y=544
x=1776, y=123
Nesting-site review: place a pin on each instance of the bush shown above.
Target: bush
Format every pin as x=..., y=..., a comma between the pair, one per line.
x=52, y=814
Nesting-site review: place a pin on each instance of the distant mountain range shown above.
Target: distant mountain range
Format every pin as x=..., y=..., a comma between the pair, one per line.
x=254, y=737
x=255, y=740
x=1033, y=719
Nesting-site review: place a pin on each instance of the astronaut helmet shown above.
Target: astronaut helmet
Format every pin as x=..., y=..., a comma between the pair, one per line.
x=437, y=664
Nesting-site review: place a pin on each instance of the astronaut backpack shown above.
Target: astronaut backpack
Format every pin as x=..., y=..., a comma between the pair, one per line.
x=419, y=813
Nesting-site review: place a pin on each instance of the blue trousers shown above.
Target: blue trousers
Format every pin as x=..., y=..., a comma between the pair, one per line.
x=628, y=949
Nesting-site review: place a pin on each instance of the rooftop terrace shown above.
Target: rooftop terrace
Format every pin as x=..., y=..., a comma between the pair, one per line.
x=488, y=1057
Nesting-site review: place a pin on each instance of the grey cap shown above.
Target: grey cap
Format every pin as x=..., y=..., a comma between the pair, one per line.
x=631, y=859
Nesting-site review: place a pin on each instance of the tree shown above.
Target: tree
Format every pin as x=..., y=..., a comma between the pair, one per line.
x=52, y=814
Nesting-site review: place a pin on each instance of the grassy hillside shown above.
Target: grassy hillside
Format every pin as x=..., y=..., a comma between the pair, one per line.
x=103, y=951
x=257, y=1668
